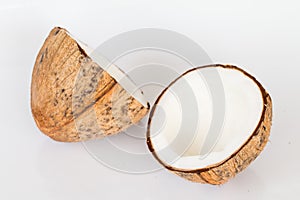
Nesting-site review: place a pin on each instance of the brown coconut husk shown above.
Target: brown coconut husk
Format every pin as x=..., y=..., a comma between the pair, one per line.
x=73, y=98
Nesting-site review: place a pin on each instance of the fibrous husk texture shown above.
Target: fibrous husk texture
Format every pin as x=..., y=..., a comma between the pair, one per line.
x=73, y=98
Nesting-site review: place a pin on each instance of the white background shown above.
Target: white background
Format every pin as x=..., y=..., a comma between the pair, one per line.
x=263, y=37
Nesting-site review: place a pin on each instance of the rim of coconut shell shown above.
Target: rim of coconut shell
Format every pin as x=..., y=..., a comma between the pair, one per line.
x=264, y=96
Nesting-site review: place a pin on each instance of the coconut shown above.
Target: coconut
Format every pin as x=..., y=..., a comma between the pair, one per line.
x=74, y=98
x=182, y=133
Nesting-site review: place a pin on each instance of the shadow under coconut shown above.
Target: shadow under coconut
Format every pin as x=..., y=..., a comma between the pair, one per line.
x=123, y=153
x=248, y=182
x=62, y=168
x=247, y=185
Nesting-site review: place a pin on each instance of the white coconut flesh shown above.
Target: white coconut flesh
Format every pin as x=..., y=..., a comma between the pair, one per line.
x=181, y=126
x=114, y=72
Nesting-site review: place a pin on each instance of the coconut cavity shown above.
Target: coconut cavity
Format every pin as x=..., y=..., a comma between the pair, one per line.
x=182, y=131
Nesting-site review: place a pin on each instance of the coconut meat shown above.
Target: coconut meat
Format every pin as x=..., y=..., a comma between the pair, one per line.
x=181, y=122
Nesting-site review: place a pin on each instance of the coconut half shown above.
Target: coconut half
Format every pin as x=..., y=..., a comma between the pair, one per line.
x=77, y=95
x=182, y=133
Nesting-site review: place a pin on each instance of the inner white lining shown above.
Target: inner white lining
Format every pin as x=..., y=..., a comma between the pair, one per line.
x=243, y=109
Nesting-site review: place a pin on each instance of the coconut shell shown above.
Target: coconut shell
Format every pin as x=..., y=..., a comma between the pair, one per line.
x=220, y=173
x=73, y=98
